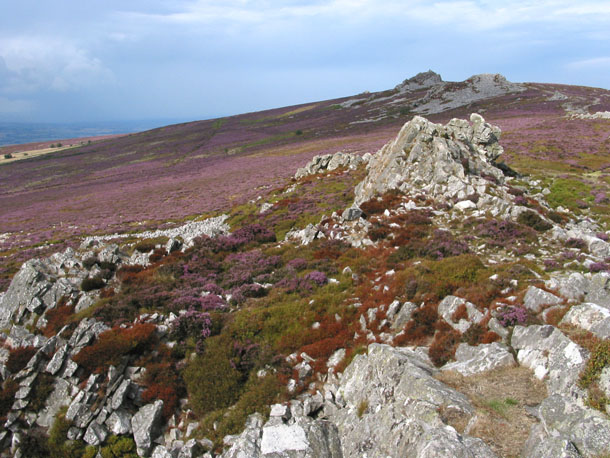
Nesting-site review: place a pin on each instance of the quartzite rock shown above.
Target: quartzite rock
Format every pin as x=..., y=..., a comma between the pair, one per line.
x=449, y=306
x=392, y=404
x=435, y=159
x=145, y=426
x=471, y=360
x=552, y=356
x=536, y=298
x=591, y=317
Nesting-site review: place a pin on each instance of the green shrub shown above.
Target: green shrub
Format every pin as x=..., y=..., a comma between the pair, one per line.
x=7, y=396
x=258, y=394
x=119, y=447
x=211, y=381
x=145, y=246
x=34, y=444
x=58, y=443
x=42, y=389
x=362, y=408
x=89, y=262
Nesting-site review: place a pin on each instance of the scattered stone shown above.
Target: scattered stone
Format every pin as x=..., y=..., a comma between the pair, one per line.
x=536, y=298
x=95, y=434
x=482, y=358
x=119, y=422
x=448, y=307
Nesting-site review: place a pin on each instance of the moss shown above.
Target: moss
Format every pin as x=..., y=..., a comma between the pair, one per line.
x=362, y=408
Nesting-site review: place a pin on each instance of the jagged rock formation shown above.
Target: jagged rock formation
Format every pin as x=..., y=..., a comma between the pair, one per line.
x=437, y=160
x=388, y=401
x=422, y=80
x=445, y=96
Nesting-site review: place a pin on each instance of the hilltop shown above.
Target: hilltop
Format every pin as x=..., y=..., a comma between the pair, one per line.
x=422, y=272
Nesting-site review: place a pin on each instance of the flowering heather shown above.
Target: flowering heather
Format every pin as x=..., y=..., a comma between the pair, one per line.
x=510, y=316
x=504, y=233
x=576, y=243
x=192, y=323
x=599, y=267
x=550, y=265
x=317, y=277
x=191, y=299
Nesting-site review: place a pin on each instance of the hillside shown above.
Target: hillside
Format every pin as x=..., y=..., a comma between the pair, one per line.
x=440, y=287
x=186, y=170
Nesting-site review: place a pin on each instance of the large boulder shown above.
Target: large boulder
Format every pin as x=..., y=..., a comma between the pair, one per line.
x=390, y=405
x=552, y=356
x=565, y=423
x=590, y=317
x=293, y=435
x=439, y=160
x=535, y=298
x=145, y=425
x=599, y=290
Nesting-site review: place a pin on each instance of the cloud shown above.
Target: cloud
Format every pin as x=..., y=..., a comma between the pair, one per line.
x=45, y=63
x=597, y=62
x=471, y=14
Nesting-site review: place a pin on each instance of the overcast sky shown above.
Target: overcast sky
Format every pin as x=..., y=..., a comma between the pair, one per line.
x=93, y=60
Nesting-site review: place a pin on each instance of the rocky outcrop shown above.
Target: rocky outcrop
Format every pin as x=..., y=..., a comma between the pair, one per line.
x=330, y=162
x=590, y=317
x=422, y=80
x=33, y=289
x=446, y=96
x=290, y=433
x=211, y=227
x=552, y=356
x=568, y=429
x=388, y=405
x=437, y=160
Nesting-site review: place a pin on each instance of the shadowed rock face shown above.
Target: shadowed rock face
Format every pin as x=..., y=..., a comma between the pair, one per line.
x=439, y=160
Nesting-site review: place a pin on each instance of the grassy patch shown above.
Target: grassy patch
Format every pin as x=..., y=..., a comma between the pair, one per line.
x=503, y=423
x=568, y=193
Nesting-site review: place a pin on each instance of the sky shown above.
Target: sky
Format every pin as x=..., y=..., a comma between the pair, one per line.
x=106, y=60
